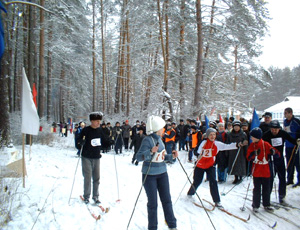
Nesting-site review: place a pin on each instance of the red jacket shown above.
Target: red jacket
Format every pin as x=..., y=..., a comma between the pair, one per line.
x=208, y=151
x=260, y=166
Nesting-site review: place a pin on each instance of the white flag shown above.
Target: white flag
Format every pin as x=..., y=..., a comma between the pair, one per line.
x=30, y=118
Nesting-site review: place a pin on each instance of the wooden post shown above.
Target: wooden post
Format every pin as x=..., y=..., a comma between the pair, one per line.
x=23, y=159
x=30, y=143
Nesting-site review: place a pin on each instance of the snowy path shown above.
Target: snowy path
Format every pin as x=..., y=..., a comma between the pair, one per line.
x=50, y=177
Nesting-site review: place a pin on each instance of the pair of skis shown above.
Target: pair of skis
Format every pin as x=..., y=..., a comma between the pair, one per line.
x=222, y=209
x=96, y=217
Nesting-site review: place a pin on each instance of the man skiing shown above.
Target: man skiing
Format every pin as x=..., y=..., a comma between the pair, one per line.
x=90, y=139
x=277, y=137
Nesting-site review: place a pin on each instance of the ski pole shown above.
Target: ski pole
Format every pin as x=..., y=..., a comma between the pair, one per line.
x=273, y=170
x=238, y=152
x=291, y=157
x=233, y=164
x=294, y=158
x=118, y=200
x=196, y=193
x=141, y=188
x=76, y=170
x=243, y=208
x=183, y=188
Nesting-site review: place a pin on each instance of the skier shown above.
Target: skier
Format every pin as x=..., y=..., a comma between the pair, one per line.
x=126, y=130
x=221, y=158
x=117, y=136
x=169, y=138
x=136, y=142
x=292, y=126
x=265, y=126
x=237, y=163
x=90, y=139
x=208, y=151
x=155, y=176
x=78, y=130
x=276, y=137
x=181, y=133
x=196, y=137
x=259, y=152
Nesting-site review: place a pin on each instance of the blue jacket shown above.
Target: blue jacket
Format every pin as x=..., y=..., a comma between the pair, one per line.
x=158, y=166
x=293, y=128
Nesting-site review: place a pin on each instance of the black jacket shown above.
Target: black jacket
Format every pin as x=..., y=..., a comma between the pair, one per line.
x=92, y=146
x=278, y=140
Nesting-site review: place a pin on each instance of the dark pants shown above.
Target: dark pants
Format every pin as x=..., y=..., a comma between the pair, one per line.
x=126, y=140
x=118, y=146
x=191, y=152
x=213, y=185
x=294, y=162
x=181, y=144
x=279, y=168
x=261, y=187
x=90, y=171
x=153, y=184
x=170, y=146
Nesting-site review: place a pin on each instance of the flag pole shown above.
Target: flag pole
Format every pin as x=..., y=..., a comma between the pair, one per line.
x=23, y=161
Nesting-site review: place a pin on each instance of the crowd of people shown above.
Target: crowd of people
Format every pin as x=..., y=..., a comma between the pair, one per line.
x=222, y=149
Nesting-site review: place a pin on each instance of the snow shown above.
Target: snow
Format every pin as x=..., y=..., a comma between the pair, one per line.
x=44, y=203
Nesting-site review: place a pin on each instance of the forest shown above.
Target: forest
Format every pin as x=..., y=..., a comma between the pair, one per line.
x=178, y=58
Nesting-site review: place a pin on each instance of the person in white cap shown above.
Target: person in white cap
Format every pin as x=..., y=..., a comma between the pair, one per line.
x=155, y=176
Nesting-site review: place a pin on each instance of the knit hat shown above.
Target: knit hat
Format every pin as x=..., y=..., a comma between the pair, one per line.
x=96, y=116
x=154, y=123
x=209, y=131
x=275, y=124
x=267, y=114
x=236, y=122
x=256, y=133
x=194, y=127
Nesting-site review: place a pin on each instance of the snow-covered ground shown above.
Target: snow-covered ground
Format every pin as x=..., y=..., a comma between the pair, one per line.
x=44, y=204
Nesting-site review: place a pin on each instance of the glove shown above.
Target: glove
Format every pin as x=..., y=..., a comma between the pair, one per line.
x=257, y=152
x=82, y=142
x=272, y=151
x=118, y=132
x=239, y=145
x=298, y=141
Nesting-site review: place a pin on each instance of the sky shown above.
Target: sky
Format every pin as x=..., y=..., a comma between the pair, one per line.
x=282, y=47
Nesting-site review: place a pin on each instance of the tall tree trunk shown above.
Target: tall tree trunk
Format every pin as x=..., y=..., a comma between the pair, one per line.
x=165, y=52
x=104, y=87
x=62, y=95
x=4, y=97
x=41, y=94
x=49, y=75
x=181, y=60
x=128, y=69
x=235, y=68
x=10, y=34
x=31, y=41
x=199, y=68
x=150, y=78
x=94, y=108
x=120, y=92
x=15, y=85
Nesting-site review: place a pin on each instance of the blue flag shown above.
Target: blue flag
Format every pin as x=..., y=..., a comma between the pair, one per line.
x=255, y=120
x=206, y=123
x=2, y=46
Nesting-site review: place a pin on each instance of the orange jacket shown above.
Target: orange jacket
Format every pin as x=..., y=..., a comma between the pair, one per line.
x=170, y=135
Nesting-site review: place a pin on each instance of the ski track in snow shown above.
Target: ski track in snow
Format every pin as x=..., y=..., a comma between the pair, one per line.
x=48, y=185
